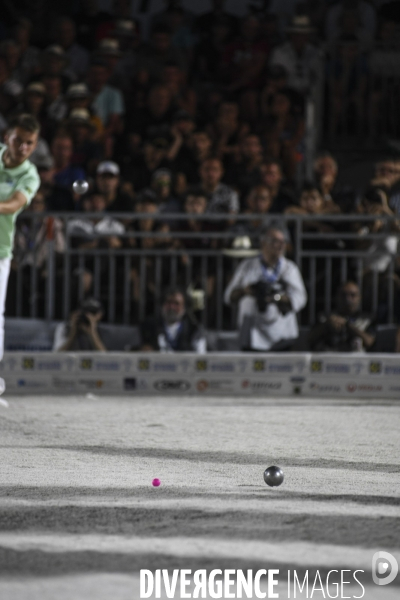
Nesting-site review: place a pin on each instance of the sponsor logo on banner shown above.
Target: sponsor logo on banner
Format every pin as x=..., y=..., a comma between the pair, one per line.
x=280, y=367
x=261, y=385
x=363, y=387
x=64, y=384
x=86, y=364
x=201, y=365
x=28, y=363
x=375, y=368
x=316, y=366
x=394, y=388
x=392, y=370
x=216, y=385
x=178, y=385
x=165, y=366
x=218, y=366
x=318, y=387
x=31, y=384
x=48, y=365
x=337, y=368
x=131, y=383
x=143, y=364
x=202, y=385
x=107, y=365
x=258, y=365
x=92, y=383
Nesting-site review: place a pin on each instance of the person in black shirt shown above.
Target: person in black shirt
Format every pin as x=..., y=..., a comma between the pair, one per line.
x=175, y=330
x=107, y=183
x=347, y=329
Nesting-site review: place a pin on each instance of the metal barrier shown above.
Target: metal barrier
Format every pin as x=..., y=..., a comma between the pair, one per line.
x=130, y=280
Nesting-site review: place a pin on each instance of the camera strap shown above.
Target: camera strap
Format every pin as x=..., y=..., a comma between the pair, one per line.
x=271, y=274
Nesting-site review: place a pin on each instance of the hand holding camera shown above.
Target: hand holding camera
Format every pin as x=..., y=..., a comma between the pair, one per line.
x=267, y=293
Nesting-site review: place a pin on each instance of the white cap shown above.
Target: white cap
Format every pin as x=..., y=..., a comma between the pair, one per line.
x=108, y=166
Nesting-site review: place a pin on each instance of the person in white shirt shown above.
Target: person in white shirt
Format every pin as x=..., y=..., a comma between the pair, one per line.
x=269, y=291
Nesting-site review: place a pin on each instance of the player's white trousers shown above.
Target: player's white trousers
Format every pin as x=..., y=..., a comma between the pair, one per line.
x=4, y=273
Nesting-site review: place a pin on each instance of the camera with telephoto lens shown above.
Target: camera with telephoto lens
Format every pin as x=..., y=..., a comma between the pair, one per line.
x=266, y=293
x=89, y=306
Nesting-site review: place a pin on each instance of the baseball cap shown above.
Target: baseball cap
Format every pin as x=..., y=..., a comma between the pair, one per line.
x=77, y=90
x=108, y=166
x=36, y=88
x=56, y=50
x=80, y=114
x=109, y=47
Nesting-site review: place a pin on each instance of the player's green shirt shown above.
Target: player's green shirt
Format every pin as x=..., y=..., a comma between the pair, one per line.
x=24, y=179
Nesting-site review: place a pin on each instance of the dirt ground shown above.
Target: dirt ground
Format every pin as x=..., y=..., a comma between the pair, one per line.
x=79, y=517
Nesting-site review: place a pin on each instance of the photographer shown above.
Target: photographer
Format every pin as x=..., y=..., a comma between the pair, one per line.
x=81, y=332
x=269, y=291
x=347, y=329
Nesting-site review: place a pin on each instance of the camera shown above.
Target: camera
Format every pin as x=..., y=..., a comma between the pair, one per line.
x=265, y=293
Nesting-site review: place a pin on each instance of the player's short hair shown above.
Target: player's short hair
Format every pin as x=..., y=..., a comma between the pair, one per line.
x=26, y=122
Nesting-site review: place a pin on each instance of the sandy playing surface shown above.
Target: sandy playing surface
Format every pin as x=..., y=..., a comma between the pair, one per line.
x=79, y=517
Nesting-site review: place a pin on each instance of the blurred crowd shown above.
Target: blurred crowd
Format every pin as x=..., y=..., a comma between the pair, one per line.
x=201, y=114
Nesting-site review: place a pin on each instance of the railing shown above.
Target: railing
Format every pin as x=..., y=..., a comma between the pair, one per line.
x=130, y=280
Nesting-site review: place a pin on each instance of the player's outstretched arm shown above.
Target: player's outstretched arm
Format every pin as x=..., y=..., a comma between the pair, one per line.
x=17, y=201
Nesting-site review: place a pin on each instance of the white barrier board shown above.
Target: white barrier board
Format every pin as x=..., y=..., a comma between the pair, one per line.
x=330, y=375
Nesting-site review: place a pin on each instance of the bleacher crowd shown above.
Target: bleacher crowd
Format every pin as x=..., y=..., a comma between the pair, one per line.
x=205, y=114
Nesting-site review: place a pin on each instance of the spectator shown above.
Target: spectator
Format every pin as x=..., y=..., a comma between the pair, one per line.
x=259, y=202
x=348, y=72
x=210, y=50
x=78, y=96
x=56, y=107
x=244, y=62
x=312, y=203
x=272, y=178
x=387, y=173
x=108, y=102
x=284, y=134
x=244, y=172
x=183, y=96
x=175, y=330
x=78, y=57
x=221, y=198
x=205, y=22
x=153, y=120
x=196, y=205
x=29, y=55
x=364, y=16
x=347, y=329
x=160, y=191
x=326, y=178
x=57, y=198
x=108, y=184
x=379, y=252
x=159, y=52
x=65, y=172
x=31, y=251
x=81, y=333
x=269, y=291
x=227, y=130
x=301, y=60
x=87, y=151
x=54, y=63
x=146, y=241
x=200, y=146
